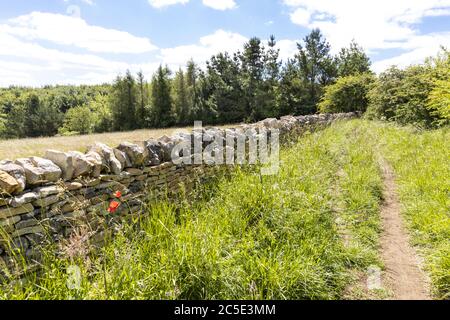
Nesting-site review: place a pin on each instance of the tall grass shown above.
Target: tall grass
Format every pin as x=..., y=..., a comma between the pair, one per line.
x=421, y=160
x=248, y=237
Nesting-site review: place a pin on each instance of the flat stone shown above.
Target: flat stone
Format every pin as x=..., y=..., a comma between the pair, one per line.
x=91, y=182
x=45, y=202
x=44, y=192
x=23, y=199
x=16, y=171
x=73, y=186
x=9, y=222
x=8, y=184
x=11, y=212
x=39, y=170
x=134, y=171
x=31, y=230
x=26, y=224
x=110, y=177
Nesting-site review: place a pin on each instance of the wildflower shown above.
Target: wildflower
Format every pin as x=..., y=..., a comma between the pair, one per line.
x=113, y=206
x=118, y=194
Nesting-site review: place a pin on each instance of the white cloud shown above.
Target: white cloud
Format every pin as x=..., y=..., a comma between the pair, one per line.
x=209, y=45
x=220, y=4
x=376, y=25
x=214, y=4
x=74, y=31
x=28, y=55
x=165, y=3
x=301, y=17
x=417, y=49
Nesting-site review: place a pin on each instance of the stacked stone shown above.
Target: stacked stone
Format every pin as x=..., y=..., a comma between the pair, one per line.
x=47, y=198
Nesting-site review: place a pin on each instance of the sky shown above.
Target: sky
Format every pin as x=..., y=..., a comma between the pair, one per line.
x=44, y=42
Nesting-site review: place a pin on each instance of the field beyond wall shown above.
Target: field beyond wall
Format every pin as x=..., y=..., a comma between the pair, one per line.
x=19, y=148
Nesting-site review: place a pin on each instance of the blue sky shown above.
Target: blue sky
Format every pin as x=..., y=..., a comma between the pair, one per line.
x=91, y=41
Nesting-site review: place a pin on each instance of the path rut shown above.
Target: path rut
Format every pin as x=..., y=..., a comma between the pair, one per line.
x=403, y=275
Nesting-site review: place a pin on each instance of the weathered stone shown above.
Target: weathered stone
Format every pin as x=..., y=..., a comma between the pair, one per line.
x=91, y=182
x=75, y=205
x=73, y=164
x=7, y=225
x=45, y=202
x=44, y=192
x=134, y=152
x=26, y=231
x=167, y=144
x=73, y=186
x=11, y=212
x=99, y=199
x=39, y=170
x=82, y=164
x=31, y=215
x=109, y=160
x=96, y=161
x=134, y=171
x=110, y=177
x=26, y=224
x=141, y=177
x=16, y=171
x=62, y=160
x=35, y=238
x=153, y=152
x=8, y=184
x=123, y=158
x=23, y=199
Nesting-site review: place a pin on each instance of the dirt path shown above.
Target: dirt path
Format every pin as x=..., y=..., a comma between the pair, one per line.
x=403, y=275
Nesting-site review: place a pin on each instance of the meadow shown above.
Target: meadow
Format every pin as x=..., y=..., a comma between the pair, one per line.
x=18, y=148
x=310, y=232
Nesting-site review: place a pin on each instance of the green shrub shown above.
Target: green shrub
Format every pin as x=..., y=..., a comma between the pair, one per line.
x=348, y=94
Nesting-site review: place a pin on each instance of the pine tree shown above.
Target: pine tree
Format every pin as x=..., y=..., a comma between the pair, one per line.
x=252, y=71
x=192, y=90
x=162, y=105
x=352, y=61
x=317, y=68
x=181, y=98
x=142, y=101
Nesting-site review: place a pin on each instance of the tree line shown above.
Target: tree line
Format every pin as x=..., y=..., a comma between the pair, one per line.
x=249, y=85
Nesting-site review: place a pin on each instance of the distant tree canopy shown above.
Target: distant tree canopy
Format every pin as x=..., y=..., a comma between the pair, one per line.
x=249, y=85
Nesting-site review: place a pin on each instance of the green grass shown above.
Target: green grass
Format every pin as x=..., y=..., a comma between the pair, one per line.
x=250, y=237
x=421, y=161
x=301, y=234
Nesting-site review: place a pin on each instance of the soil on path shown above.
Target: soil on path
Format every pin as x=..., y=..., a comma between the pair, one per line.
x=403, y=275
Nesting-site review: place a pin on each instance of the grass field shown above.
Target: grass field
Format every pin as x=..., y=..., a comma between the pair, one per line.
x=305, y=233
x=17, y=148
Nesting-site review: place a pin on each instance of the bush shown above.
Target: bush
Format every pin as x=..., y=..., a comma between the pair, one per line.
x=439, y=101
x=78, y=120
x=348, y=94
x=401, y=96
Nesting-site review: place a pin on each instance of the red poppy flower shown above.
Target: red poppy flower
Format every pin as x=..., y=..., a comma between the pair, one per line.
x=118, y=194
x=113, y=206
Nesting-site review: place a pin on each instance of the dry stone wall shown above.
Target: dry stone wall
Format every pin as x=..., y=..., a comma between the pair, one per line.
x=46, y=199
